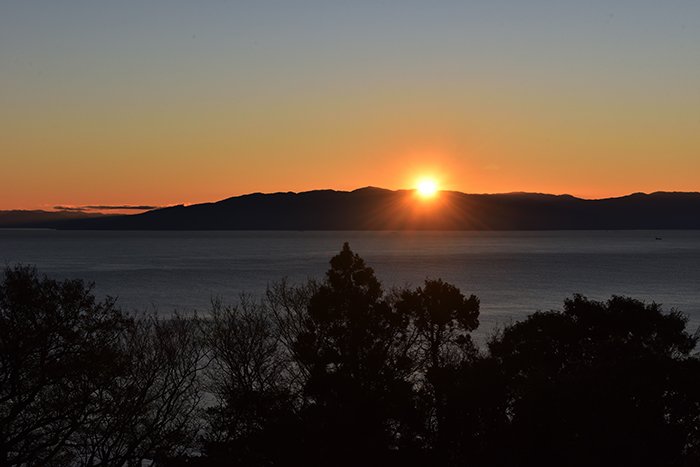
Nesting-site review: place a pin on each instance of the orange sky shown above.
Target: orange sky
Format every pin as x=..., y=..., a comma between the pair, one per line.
x=115, y=105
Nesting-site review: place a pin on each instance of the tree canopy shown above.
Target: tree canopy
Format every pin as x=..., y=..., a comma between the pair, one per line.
x=342, y=372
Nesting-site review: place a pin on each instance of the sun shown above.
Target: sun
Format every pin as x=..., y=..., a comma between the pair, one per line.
x=427, y=188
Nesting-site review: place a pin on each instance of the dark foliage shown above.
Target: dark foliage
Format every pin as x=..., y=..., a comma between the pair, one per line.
x=83, y=384
x=441, y=320
x=248, y=378
x=353, y=345
x=377, y=378
x=149, y=410
x=57, y=346
x=342, y=372
x=603, y=383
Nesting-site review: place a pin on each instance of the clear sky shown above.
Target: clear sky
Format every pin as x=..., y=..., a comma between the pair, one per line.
x=166, y=102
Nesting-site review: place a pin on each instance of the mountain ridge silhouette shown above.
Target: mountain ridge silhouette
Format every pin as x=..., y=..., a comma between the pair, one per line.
x=373, y=208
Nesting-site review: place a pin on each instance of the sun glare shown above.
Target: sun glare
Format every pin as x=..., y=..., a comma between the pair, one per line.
x=427, y=188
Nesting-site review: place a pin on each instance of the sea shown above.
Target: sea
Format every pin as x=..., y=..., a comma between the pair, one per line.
x=513, y=273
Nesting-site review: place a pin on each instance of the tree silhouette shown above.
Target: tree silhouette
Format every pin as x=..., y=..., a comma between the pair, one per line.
x=149, y=410
x=442, y=319
x=353, y=345
x=605, y=383
x=81, y=383
x=57, y=345
x=340, y=372
x=247, y=376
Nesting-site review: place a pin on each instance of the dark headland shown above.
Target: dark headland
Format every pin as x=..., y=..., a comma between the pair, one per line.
x=380, y=209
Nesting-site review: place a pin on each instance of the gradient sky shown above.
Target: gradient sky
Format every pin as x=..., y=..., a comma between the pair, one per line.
x=166, y=102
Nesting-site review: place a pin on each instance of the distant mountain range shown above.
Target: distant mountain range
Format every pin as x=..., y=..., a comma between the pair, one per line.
x=39, y=218
x=379, y=209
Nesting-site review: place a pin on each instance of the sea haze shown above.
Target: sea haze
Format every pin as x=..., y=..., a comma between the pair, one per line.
x=513, y=273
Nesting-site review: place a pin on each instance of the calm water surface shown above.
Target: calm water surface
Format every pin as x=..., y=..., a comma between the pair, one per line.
x=513, y=273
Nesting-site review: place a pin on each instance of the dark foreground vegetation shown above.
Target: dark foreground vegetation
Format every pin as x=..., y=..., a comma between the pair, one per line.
x=342, y=373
